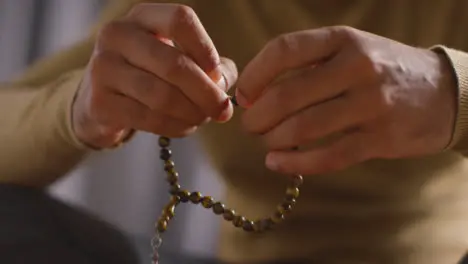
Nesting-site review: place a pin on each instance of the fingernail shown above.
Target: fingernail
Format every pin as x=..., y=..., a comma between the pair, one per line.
x=226, y=114
x=216, y=74
x=222, y=83
x=241, y=99
x=271, y=162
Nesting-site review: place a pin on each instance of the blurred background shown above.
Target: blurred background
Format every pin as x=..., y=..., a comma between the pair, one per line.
x=124, y=187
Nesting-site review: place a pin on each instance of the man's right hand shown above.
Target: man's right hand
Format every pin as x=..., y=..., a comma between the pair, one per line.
x=137, y=78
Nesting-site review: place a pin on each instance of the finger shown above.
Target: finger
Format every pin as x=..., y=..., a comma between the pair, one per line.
x=287, y=52
x=146, y=52
x=349, y=150
x=229, y=70
x=148, y=89
x=322, y=120
x=121, y=111
x=310, y=87
x=181, y=24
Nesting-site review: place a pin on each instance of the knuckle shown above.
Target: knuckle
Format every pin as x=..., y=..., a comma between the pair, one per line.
x=110, y=32
x=100, y=65
x=285, y=43
x=175, y=66
x=345, y=32
x=184, y=16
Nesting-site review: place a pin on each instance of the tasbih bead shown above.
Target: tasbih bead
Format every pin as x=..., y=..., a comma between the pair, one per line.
x=164, y=142
x=263, y=225
x=277, y=218
x=238, y=221
x=175, y=200
x=172, y=177
x=170, y=170
x=284, y=208
x=207, y=202
x=290, y=200
x=169, y=211
x=218, y=208
x=292, y=193
x=297, y=181
x=183, y=196
x=229, y=214
x=162, y=225
x=248, y=225
x=174, y=189
x=165, y=154
x=195, y=197
x=168, y=165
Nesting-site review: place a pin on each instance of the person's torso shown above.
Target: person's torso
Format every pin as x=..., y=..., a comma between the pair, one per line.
x=375, y=212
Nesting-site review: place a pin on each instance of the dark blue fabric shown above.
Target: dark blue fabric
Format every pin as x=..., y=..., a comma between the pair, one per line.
x=35, y=228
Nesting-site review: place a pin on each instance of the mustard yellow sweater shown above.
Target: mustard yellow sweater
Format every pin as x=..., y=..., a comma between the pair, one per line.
x=399, y=211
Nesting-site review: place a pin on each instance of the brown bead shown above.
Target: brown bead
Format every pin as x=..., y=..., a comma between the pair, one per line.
x=218, y=208
x=248, y=226
x=263, y=225
x=289, y=200
x=229, y=214
x=164, y=142
x=171, y=170
x=238, y=221
x=164, y=217
x=168, y=165
x=165, y=154
x=207, y=202
x=172, y=177
x=284, y=208
x=195, y=197
x=169, y=211
x=174, y=190
x=184, y=196
x=297, y=180
x=175, y=200
x=292, y=193
x=162, y=226
x=277, y=218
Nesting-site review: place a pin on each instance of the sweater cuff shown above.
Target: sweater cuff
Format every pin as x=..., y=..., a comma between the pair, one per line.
x=459, y=62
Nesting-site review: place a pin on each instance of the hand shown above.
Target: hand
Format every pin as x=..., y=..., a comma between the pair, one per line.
x=137, y=79
x=375, y=97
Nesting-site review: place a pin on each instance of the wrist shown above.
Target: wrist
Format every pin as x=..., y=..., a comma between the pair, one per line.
x=89, y=131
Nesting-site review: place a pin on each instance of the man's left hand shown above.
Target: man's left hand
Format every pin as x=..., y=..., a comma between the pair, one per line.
x=385, y=99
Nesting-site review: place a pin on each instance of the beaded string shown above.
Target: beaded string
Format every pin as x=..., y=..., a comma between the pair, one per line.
x=179, y=195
